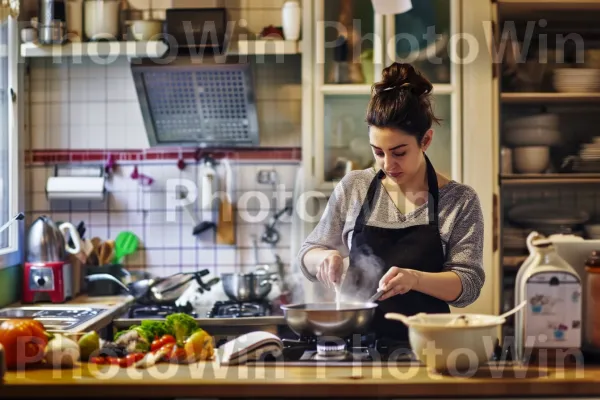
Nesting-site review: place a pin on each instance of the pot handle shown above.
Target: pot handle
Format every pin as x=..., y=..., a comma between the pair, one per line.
x=273, y=278
x=105, y=277
x=398, y=317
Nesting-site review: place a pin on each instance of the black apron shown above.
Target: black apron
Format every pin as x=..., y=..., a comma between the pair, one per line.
x=416, y=247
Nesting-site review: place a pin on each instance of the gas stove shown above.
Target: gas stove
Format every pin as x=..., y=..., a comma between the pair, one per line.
x=232, y=309
x=159, y=311
x=365, y=349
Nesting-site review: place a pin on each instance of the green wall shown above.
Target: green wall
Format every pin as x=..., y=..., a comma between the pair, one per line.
x=10, y=285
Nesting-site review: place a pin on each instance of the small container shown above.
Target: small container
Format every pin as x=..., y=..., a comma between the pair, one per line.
x=291, y=16
x=592, y=293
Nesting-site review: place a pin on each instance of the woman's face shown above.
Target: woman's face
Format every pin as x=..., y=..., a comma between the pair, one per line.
x=398, y=153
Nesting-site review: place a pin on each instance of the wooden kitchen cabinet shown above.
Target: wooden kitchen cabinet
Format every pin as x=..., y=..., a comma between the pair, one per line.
x=337, y=141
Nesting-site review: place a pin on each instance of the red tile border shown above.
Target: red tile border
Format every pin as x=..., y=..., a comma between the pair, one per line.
x=50, y=156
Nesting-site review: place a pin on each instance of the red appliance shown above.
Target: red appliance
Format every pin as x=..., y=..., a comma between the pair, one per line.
x=47, y=281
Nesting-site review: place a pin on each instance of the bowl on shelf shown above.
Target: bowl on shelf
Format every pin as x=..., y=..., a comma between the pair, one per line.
x=531, y=159
x=592, y=231
x=547, y=121
x=577, y=80
x=540, y=136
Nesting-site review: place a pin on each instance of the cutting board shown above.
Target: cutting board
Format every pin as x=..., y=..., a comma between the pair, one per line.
x=226, y=223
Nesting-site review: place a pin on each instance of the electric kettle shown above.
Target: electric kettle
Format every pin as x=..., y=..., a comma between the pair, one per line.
x=48, y=242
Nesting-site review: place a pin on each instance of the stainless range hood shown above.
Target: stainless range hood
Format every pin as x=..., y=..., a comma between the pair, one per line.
x=197, y=97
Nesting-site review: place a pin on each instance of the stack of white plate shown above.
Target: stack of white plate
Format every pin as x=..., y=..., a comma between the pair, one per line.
x=577, y=80
x=589, y=157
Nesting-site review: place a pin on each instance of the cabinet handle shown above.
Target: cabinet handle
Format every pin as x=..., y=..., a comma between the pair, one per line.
x=13, y=95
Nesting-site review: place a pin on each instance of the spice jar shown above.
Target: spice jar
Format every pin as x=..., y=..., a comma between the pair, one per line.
x=592, y=267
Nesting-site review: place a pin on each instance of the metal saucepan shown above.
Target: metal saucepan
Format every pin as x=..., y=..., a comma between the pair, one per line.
x=157, y=290
x=327, y=319
x=247, y=287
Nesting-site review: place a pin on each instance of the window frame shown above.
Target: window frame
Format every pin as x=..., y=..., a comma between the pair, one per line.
x=12, y=254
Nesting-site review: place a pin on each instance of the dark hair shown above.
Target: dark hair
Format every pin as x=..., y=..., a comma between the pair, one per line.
x=402, y=100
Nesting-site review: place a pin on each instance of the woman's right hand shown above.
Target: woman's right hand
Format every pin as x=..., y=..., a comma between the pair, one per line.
x=331, y=268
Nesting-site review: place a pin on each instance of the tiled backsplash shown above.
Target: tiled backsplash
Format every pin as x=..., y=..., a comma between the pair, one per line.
x=168, y=245
x=78, y=105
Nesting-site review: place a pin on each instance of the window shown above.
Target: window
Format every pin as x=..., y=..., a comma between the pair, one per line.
x=10, y=201
x=4, y=129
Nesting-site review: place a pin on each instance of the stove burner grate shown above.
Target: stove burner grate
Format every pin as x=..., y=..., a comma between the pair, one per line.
x=159, y=310
x=231, y=309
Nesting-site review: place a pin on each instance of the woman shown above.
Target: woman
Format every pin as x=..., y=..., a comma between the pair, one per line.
x=406, y=229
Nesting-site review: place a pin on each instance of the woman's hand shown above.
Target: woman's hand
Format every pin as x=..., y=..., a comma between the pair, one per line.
x=331, y=268
x=398, y=281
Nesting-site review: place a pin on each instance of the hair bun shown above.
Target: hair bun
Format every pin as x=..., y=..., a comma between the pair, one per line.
x=400, y=76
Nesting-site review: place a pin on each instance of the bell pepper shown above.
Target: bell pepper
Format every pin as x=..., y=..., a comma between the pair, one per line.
x=24, y=341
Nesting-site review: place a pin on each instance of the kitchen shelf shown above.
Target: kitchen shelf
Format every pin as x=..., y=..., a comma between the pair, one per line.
x=567, y=178
x=345, y=89
x=266, y=47
x=95, y=49
x=530, y=6
x=549, y=97
x=151, y=49
x=351, y=89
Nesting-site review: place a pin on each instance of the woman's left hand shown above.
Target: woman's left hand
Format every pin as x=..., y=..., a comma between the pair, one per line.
x=398, y=281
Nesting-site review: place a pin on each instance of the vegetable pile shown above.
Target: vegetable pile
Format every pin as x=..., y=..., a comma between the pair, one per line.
x=178, y=339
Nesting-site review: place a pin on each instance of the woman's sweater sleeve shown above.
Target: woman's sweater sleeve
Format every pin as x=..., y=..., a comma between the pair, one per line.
x=328, y=234
x=465, y=249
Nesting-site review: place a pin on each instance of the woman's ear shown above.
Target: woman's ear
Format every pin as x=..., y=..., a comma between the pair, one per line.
x=427, y=139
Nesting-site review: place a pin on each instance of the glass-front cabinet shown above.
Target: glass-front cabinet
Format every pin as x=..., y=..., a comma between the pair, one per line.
x=352, y=46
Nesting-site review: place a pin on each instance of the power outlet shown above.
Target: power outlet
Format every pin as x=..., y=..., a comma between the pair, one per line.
x=267, y=177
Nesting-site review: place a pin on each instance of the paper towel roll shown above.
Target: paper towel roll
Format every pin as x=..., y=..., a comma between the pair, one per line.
x=75, y=187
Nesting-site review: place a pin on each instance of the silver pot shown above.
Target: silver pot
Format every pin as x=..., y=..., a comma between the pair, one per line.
x=327, y=319
x=247, y=287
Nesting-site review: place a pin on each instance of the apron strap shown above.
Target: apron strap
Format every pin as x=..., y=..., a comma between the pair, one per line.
x=432, y=182
x=367, y=206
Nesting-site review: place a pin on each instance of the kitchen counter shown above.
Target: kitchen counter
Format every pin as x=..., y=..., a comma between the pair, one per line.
x=209, y=380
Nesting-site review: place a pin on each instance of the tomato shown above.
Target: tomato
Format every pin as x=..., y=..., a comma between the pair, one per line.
x=24, y=341
x=113, y=360
x=98, y=360
x=158, y=343
x=130, y=359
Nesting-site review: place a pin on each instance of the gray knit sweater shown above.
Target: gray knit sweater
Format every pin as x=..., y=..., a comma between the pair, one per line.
x=460, y=222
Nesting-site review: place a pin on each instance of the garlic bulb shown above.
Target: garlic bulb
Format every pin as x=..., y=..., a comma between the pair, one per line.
x=62, y=351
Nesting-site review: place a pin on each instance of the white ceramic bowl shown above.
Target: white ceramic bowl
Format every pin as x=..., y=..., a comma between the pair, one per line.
x=453, y=349
x=548, y=121
x=531, y=159
x=592, y=230
x=532, y=137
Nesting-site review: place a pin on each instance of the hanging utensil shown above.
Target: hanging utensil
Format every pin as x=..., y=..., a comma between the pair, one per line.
x=126, y=243
x=225, y=225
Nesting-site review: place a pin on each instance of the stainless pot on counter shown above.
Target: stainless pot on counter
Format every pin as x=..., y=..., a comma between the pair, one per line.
x=245, y=287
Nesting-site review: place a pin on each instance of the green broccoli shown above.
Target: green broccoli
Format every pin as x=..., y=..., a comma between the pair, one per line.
x=181, y=326
x=157, y=328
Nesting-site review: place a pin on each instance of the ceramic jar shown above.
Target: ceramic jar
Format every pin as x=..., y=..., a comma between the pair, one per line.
x=291, y=17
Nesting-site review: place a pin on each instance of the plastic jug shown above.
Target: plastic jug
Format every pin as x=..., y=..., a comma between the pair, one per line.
x=552, y=287
x=533, y=252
